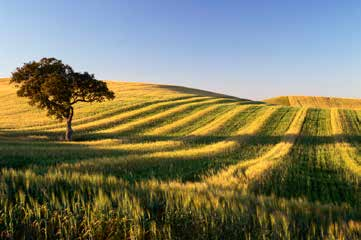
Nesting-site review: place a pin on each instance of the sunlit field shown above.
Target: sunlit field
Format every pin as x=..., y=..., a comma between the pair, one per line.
x=316, y=102
x=166, y=162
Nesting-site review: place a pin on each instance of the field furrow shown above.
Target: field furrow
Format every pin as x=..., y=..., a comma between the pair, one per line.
x=239, y=174
x=130, y=125
x=207, y=118
x=312, y=158
x=162, y=130
x=345, y=149
x=146, y=128
x=138, y=147
x=217, y=123
x=98, y=115
x=257, y=123
x=160, y=159
x=117, y=119
x=226, y=145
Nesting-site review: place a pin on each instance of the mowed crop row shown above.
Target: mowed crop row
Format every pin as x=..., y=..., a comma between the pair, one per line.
x=246, y=171
x=165, y=162
x=316, y=102
x=316, y=167
x=347, y=152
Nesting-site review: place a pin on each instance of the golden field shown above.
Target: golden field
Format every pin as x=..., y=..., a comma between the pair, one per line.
x=316, y=102
x=167, y=162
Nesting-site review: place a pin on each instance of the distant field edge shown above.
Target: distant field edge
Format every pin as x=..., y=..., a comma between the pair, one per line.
x=316, y=102
x=174, y=88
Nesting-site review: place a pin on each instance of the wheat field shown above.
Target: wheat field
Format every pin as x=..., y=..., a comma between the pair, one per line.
x=316, y=102
x=167, y=162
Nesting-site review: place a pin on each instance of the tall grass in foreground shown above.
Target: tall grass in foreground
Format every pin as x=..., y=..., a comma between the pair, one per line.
x=69, y=206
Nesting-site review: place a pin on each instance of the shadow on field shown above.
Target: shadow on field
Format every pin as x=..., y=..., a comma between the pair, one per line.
x=252, y=139
x=314, y=171
x=299, y=179
x=197, y=92
x=25, y=152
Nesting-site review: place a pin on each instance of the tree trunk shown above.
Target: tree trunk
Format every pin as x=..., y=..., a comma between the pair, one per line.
x=69, y=130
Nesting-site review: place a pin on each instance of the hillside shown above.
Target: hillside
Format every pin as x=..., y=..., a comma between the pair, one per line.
x=316, y=102
x=162, y=162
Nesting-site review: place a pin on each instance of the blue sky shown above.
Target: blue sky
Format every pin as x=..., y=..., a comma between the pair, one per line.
x=253, y=49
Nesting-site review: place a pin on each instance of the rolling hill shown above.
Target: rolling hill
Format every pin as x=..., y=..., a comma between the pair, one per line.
x=168, y=162
x=316, y=102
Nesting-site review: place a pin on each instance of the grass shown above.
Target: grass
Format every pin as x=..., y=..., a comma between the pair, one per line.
x=316, y=102
x=166, y=162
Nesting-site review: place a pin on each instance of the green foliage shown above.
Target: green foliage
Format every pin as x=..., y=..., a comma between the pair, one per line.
x=54, y=86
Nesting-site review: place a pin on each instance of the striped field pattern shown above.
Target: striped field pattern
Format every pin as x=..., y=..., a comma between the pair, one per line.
x=166, y=162
x=320, y=102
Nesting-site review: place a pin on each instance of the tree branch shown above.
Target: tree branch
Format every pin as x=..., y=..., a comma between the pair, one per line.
x=79, y=100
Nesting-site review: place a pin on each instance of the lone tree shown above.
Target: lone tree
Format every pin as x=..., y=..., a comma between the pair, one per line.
x=54, y=86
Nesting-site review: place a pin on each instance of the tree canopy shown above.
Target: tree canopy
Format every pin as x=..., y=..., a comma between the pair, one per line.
x=52, y=85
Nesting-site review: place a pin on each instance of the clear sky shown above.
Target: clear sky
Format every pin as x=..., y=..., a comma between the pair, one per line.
x=253, y=49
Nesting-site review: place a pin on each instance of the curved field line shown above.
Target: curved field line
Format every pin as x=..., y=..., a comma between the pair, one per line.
x=226, y=145
x=220, y=147
x=344, y=148
x=181, y=122
x=253, y=168
x=133, y=113
x=169, y=127
x=180, y=154
x=146, y=146
x=218, y=122
x=86, y=119
x=208, y=150
x=93, y=117
x=106, y=117
x=138, y=122
x=103, y=113
x=177, y=141
x=257, y=124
